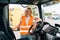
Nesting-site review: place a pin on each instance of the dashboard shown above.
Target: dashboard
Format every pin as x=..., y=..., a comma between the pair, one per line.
x=50, y=29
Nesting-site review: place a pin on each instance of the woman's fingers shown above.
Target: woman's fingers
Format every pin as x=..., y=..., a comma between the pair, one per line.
x=35, y=22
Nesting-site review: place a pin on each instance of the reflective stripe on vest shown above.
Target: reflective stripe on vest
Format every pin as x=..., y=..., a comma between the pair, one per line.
x=23, y=27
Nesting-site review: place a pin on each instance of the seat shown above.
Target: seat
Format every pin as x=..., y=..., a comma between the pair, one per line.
x=8, y=33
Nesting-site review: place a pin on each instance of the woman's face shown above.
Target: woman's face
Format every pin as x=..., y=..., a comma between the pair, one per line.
x=28, y=12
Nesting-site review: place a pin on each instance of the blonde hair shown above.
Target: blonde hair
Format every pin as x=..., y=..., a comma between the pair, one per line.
x=30, y=9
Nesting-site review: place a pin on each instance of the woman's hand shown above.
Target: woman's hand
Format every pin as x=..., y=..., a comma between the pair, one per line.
x=35, y=22
x=15, y=27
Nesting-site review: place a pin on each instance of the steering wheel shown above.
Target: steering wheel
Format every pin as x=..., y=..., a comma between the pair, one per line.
x=37, y=29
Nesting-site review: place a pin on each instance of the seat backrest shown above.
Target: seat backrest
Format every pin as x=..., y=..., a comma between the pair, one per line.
x=6, y=29
x=3, y=36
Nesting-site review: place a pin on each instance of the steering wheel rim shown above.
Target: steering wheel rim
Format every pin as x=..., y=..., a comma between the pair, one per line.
x=39, y=29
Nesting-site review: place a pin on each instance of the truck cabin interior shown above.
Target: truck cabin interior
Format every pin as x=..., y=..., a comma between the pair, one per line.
x=6, y=32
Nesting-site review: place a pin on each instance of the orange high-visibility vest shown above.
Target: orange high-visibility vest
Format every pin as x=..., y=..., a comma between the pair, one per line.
x=24, y=27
